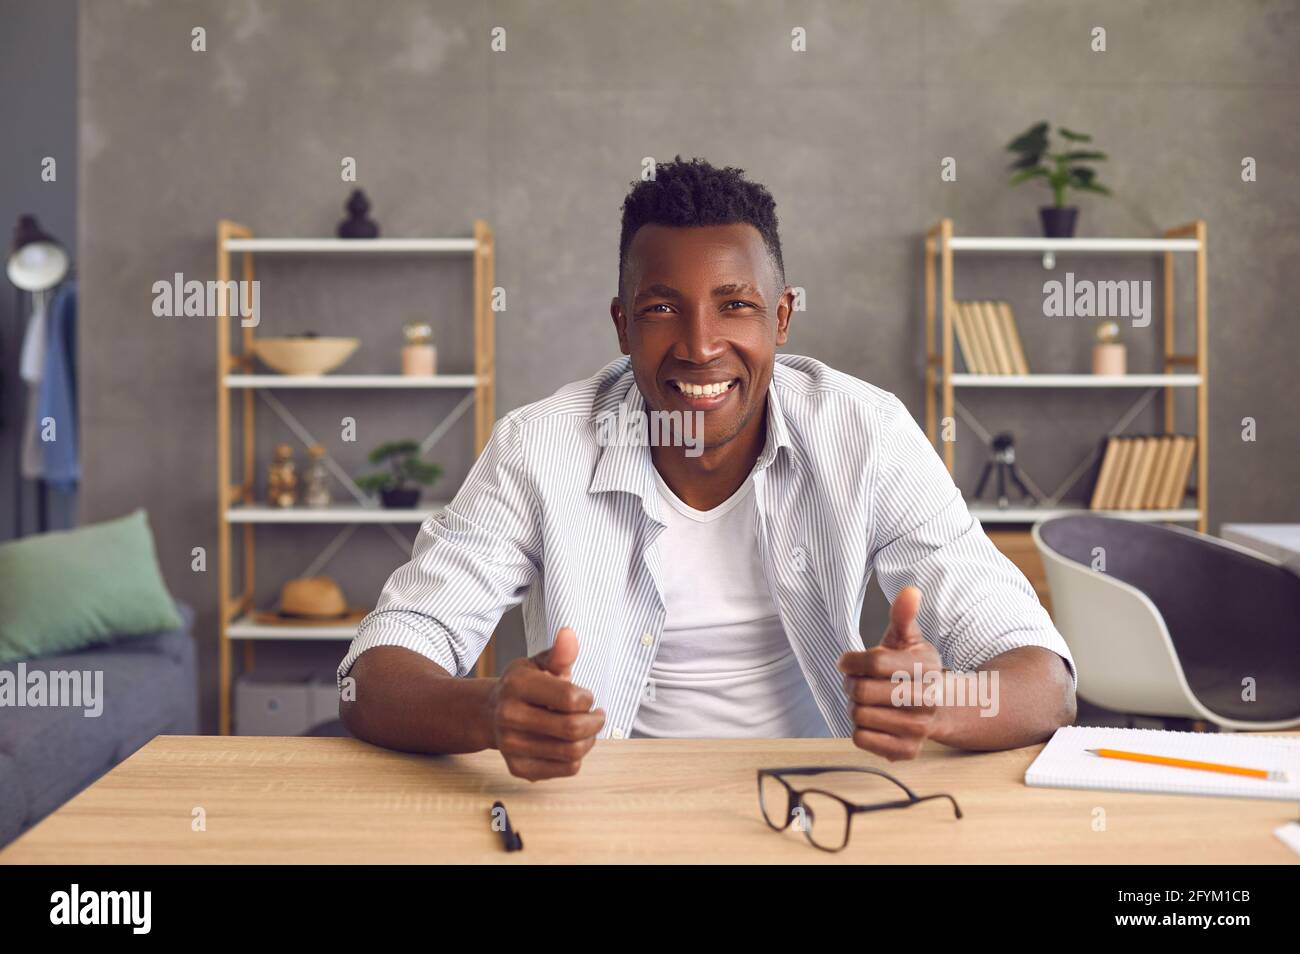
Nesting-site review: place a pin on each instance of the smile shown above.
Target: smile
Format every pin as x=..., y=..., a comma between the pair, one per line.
x=716, y=389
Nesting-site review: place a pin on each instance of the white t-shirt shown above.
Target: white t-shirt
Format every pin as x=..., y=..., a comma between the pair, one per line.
x=724, y=667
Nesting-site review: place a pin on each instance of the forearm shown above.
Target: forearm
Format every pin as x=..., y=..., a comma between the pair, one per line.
x=1031, y=697
x=407, y=702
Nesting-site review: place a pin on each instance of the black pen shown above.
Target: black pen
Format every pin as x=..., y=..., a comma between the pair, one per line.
x=509, y=837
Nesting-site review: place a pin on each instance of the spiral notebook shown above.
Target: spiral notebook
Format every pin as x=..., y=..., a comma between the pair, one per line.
x=1066, y=763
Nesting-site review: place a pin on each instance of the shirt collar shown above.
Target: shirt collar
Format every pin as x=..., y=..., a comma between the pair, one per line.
x=778, y=435
x=623, y=465
x=628, y=466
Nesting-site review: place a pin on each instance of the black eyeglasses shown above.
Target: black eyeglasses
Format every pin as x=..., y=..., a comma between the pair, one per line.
x=825, y=818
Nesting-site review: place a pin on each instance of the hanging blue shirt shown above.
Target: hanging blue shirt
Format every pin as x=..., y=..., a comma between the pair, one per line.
x=57, y=400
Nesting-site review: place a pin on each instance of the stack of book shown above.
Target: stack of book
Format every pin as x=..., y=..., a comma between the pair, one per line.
x=988, y=338
x=1144, y=473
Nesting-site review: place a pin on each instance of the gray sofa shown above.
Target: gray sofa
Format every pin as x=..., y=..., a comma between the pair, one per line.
x=48, y=754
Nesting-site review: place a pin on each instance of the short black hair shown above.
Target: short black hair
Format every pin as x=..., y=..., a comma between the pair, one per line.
x=686, y=193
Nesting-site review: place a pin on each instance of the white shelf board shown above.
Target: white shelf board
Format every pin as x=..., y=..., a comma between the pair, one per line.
x=246, y=628
x=393, y=381
x=338, y=513
x=989, y=513
x=1075, y=380
x=352, y=246
x=1010, y=243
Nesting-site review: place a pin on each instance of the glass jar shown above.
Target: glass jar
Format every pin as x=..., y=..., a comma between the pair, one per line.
x=315, y=479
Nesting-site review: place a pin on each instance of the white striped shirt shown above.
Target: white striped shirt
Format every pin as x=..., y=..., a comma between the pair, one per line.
x=552, y=516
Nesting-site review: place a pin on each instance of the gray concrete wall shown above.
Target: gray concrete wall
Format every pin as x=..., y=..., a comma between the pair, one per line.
x=543, y=139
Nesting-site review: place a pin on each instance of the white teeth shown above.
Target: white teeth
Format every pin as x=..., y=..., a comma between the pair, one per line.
x=702, y=390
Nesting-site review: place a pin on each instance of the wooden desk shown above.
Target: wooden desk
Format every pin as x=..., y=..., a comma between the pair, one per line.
x=309, y=800
x=1281, y=541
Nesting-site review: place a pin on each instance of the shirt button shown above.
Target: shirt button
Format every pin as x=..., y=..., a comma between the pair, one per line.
x=616, y=733
x=647, y=639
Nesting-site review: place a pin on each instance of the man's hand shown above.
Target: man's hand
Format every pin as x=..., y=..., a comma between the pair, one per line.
x=896, y=732
x=541, y=721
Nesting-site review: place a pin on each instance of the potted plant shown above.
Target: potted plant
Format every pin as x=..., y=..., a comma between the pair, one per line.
x=1062, y=170
x=399, y=485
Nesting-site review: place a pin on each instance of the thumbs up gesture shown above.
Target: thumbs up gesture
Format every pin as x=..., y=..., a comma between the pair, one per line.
x=880, y=725
x=541, y=722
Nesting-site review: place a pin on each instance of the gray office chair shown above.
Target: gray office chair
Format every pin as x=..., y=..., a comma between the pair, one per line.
x=1176, y=622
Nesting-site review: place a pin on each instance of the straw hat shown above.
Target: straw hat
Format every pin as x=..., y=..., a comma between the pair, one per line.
x=311, y=600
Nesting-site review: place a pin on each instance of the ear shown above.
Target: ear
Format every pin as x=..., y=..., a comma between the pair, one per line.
x=784, y=311
x=620, y=323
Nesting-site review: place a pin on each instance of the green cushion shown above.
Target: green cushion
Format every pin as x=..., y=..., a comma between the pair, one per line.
x=63, y=591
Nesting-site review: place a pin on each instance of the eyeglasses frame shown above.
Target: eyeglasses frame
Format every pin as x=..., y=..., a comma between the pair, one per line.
x=795, y=798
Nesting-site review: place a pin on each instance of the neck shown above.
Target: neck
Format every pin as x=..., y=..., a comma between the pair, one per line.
x=705, y=481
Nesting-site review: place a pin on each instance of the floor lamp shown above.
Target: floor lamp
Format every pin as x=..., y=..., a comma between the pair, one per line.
x=37, y=262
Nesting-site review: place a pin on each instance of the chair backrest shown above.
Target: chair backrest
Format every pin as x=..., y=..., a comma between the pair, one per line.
x=1229, y=613
x=1125, y=657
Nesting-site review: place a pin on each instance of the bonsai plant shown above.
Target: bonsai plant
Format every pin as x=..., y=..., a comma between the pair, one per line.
x=1063, y=170
x=399, y=485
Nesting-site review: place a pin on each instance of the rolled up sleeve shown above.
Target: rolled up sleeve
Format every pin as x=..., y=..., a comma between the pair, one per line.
x=975, y=603
x=470, y=563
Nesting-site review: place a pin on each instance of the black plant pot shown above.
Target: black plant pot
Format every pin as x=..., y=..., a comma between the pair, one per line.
x=400, y=498
x=1058, y=223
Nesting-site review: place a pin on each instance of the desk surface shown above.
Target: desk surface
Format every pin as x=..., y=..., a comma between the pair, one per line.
x=319, y=800
x=1281, y=541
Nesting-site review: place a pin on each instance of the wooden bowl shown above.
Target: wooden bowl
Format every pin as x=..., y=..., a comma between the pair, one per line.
x=304, y=355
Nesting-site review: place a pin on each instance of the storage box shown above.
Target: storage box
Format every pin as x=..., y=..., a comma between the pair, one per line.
x=274, y=705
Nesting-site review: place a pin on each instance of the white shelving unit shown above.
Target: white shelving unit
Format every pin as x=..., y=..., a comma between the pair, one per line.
x=329, y=246
x=239, y=382
x=1075, y=380
x=367, y=381
x=1016, y=243
x=1180, y=371
x=336, y=514
x=245, y=628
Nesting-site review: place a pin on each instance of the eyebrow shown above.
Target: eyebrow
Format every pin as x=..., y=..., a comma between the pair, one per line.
x=659, y=291
x=736, y=288
x=667, y=291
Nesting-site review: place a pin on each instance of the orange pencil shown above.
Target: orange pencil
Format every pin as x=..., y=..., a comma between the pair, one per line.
x=1269, y=775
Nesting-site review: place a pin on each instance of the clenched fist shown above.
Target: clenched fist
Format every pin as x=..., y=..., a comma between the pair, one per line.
x=542, y=723
x=880, y=726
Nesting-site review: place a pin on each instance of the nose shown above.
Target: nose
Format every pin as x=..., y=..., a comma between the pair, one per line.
x=700, y=341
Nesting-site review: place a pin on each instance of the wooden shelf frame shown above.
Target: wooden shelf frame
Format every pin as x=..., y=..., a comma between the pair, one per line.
x=941, y=382
x=321, y=382
x=236, y=502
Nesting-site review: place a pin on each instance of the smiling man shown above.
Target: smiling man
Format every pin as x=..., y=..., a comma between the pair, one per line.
x=712, y=590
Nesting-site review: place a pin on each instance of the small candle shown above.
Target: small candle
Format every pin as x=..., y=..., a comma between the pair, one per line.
x=419, y=356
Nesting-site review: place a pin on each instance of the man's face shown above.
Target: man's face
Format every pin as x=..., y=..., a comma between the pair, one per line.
x=705, y=313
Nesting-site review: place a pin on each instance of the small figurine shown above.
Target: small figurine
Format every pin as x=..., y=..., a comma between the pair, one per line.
x=358, y=225
x=315, y=482
x=282, y=478
x=1109, y=356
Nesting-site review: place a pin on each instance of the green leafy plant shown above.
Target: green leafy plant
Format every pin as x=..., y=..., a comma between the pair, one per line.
x=1062, y=170
x=405, y=469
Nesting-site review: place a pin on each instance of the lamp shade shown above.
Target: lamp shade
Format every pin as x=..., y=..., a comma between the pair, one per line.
x=36, y=260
